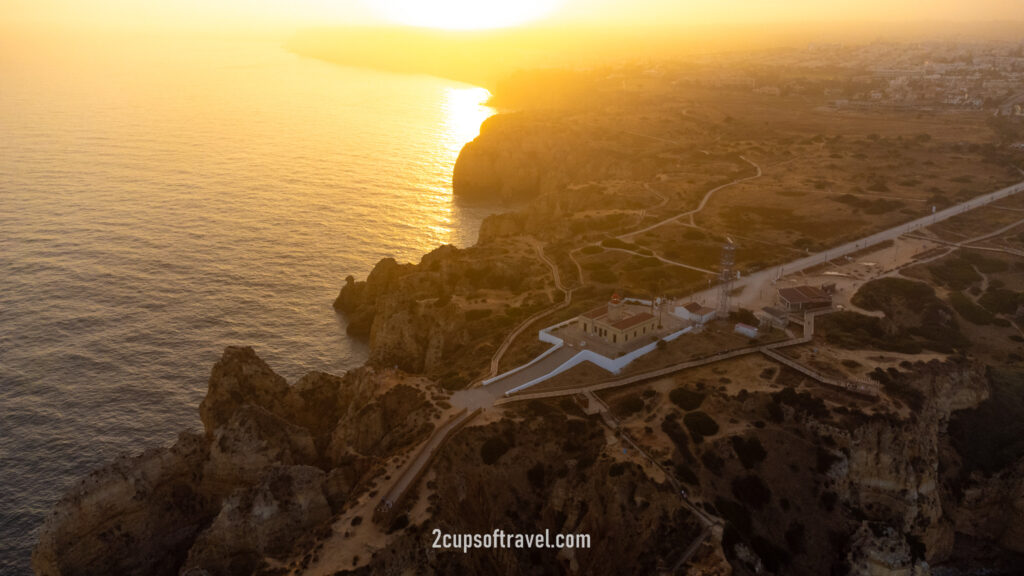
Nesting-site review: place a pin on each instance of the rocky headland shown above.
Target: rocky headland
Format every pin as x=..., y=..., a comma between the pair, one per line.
x=784, y=476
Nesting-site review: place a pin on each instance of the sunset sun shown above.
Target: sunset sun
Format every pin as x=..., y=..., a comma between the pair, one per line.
x=464, y=14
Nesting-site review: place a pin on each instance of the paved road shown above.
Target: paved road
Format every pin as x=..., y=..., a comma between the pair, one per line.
x=751, y=285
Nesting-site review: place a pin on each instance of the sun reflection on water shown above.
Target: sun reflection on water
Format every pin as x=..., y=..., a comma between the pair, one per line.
x=465, y=109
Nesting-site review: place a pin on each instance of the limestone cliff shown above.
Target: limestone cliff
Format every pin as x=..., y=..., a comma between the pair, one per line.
x=518, y=157
x=274, y=462
x=445, y=316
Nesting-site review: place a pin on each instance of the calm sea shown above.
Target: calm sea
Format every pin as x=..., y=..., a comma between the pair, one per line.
x=160, y=202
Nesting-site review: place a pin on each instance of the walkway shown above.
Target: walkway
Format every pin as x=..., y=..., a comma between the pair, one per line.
x=426, y=453
x=507, y=342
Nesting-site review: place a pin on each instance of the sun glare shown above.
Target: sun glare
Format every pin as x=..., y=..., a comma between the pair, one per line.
x=464, y=14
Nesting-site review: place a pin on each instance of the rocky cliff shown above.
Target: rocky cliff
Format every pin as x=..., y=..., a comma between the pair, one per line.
x=518, y=157
x=445, y=316
x=273, y=463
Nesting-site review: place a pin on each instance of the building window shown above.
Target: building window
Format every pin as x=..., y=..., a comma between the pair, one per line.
x=615, y=338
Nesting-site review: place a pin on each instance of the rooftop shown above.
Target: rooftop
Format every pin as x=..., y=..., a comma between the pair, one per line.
x=695, y=308
x=804, y=294
x=630, y=321
x=630, y=316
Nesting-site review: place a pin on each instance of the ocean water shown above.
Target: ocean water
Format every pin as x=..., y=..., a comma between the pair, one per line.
x=160, y=202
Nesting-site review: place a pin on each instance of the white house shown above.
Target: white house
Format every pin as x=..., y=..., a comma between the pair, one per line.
x=694, y=312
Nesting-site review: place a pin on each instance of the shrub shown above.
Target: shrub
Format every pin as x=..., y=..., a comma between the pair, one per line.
x=743, y=315
x=685, y=473
x=700, y=425
x=712, y=462
x=748, y=450
x=1001, y=300
x=478, y=314
x=795, y=537
x=970, y=311
x=493, y=449
x=399, y=523
x=616, y=243
x=670, y=426
x=773, y=557
x=802, y=402
x=734, y=513
x=629, y=405
x=956, y=273
x=752, y=491
x=536, y=476
x=686, y=399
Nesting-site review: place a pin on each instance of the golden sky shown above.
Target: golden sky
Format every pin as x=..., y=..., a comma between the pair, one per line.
x=244, y=14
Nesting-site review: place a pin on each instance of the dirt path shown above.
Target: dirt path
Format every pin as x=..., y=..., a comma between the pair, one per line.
x=699, y=208
x=510, y=338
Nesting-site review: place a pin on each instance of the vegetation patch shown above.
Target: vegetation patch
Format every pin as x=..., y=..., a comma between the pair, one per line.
x=915, y=319
x=493, y=449
x=896, y=386
x=620, y=244
x=752, y=491
x=970, y=311
x=700, y=425
x=955, y=273
x=1001, y=300
x=686, y=399
x=629, y=405
x=748, y=450
x=872, y=206
x=670, y=426
x=802, y=402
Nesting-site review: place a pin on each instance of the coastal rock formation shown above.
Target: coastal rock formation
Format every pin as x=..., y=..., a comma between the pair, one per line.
x=992, y=509
x=262, y=521
x=519, y=157
x=570, y=486
x=240, y=378
x=879, y=550
x=892, y=471
x=272, y=466
x=443, y=317
x=137, y=515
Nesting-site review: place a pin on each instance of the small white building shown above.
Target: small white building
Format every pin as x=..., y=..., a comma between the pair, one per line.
x=746, y=330
x=694, y=312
